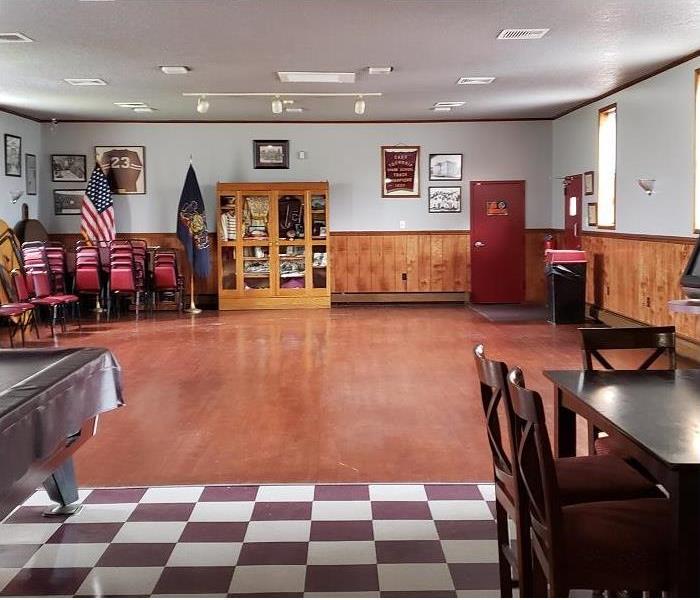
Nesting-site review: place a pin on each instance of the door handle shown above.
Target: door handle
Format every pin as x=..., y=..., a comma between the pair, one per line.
x=479, y=244
x=575, y=229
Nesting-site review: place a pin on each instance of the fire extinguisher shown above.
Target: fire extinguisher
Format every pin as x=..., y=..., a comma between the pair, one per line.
x=549, y=242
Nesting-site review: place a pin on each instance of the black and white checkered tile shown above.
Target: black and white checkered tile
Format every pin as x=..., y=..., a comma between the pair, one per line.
x=291, y=540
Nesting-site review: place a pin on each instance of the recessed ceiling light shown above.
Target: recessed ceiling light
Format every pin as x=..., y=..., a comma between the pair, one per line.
x=379, y=70
x=85, y=81
x=315, y=77
x=287, y=101
x=13, y=38
x=143, y=109
x=450, y=104
x=441, y=108
x=175, y=70
x=294, y=109
x=475, y=80
x=522, y=34
x=130, y=104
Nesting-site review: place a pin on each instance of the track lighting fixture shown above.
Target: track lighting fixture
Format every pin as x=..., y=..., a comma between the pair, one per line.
x=360, y=106
x=277, y=105
x=202, y=104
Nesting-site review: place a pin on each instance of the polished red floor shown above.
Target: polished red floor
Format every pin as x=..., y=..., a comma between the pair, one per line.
x=354, y=394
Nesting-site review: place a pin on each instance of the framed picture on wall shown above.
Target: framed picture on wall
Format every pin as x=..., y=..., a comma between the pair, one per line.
x=271, y=154
x=400, y=171
x=124, y=167
x=593, y=214
x=445, y=167
x=444, y=199
x=13, y=155
x=68, y=167
x=30, y=174
x=68, y=202
x=588, y=183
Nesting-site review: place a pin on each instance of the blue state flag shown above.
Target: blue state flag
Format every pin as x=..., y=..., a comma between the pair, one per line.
x=192, y=226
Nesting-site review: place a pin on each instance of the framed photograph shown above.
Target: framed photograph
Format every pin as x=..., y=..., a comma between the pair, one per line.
x=444, y=199
x=124, y=167
x=400, y=171
x=271, y=154
x=68, y=167
x=13, y=155
x=588, y=183
x=593, y=214
x=445, y=167
x=68, y=202
x=30, y=174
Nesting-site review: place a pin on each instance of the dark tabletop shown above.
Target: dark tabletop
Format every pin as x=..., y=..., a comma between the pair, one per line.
x=658, y=409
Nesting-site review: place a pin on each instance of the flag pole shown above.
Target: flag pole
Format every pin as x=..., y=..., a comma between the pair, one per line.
x=192, y=310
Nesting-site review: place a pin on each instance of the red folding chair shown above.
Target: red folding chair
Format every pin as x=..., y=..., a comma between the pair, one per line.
x=166, y=277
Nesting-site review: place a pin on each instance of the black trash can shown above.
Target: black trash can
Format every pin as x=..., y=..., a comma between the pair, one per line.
x=566, y=286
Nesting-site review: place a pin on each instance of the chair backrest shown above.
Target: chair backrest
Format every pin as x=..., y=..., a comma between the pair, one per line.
x=662, y=340
x=495, y=395
x=19, y=283
x=536, y=475
x=42, y=283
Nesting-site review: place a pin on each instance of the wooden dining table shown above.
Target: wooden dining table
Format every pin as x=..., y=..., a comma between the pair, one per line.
x=656, y=415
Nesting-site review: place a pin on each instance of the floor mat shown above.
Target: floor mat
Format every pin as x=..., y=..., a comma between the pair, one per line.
x=292, y=540
x=511, y=313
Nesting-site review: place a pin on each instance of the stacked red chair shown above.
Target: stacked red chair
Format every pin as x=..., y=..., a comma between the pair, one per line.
x=125, y=280
x=35, y=287
x=56, y=259
x=166, y=277
x=17, y=315
x=87, y=279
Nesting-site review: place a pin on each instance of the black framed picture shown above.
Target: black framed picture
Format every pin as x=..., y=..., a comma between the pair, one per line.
x=30, y=174
x=445, y=167
x=445, y=199
x=68, y=167
x=13, y=155
x=124, y=167
x=271, y=154
x=68, y=202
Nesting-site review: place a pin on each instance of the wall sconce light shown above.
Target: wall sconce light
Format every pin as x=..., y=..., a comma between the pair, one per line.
x=15, y=195
x=647, y=185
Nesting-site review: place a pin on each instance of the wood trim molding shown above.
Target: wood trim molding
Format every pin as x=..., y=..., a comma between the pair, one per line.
x=296, y=122
x=384, y=297
x=641, y=237
x=16, y=113
x=436, y=231
x=624, y=86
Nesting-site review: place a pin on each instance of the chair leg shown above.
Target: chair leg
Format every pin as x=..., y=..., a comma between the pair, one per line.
x=504, y=574
x=10, y=333
x=78, y=315
x=33, y=321
x=592, y=434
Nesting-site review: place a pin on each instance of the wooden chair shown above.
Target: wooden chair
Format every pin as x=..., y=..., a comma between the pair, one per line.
x=612, y=545
x=581, y=479
x=660, y=340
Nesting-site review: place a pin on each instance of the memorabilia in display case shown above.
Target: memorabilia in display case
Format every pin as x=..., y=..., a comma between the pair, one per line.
x=273, y=245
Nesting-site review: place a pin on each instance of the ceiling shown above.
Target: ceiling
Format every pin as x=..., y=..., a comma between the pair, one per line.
x=238, y=46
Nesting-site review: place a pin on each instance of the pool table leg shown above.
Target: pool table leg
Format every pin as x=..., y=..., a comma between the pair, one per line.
x=63, y=489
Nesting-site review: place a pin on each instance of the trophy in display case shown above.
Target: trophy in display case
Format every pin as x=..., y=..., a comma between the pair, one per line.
x=256, y=215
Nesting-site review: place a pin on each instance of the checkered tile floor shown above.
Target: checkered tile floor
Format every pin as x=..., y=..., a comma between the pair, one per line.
x=287, y=540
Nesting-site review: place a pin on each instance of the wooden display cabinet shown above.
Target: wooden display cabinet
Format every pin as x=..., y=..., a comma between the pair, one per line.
x=274, y=245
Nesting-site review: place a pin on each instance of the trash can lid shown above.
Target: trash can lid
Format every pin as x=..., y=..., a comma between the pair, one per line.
x=564, y=256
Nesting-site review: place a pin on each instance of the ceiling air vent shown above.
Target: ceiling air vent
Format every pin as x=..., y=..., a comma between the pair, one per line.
x=83, y=81
x=475, y=80
x=13, y=38
x=522, y=34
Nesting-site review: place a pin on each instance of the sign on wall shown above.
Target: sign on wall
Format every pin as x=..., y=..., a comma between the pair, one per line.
x=400, y=171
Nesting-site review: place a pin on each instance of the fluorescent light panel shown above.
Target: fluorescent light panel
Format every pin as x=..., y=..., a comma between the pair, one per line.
x=449, y=104
x=441, y=108
x=85, y=81
x=475, y=80
x=175, y=70
x=315, y=77
x=379, y=70
x=13, y=38
x=130, y=104
x=294, y=109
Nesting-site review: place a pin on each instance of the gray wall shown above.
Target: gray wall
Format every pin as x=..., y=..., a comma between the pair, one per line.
x=31, y=134
x=655, y=141
x=347, y=155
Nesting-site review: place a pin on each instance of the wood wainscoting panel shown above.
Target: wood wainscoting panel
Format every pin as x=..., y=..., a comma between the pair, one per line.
x=384, y=262
x=636, y=276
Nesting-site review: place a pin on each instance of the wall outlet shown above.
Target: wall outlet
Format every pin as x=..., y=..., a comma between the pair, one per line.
x=301, y=155
x=402, y=224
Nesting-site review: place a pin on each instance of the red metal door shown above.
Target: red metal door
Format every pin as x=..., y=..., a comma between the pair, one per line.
x=573, y=188
x=497, y=239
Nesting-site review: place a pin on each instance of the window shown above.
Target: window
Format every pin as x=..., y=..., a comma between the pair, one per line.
x=697, y=150
x=607, y=165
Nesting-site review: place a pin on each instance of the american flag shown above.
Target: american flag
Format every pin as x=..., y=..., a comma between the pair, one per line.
x=97, y=213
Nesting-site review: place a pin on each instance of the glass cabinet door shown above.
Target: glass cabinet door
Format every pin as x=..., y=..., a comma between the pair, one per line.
x=319, y=266
x=256, y=216
x=228, y=268
x=290, y=217
x=256, y=267
x=319, y=216
x=292, y=267
x=228, y=225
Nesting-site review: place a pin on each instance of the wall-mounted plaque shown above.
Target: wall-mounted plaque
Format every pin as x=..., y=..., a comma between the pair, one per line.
x=400, y=171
